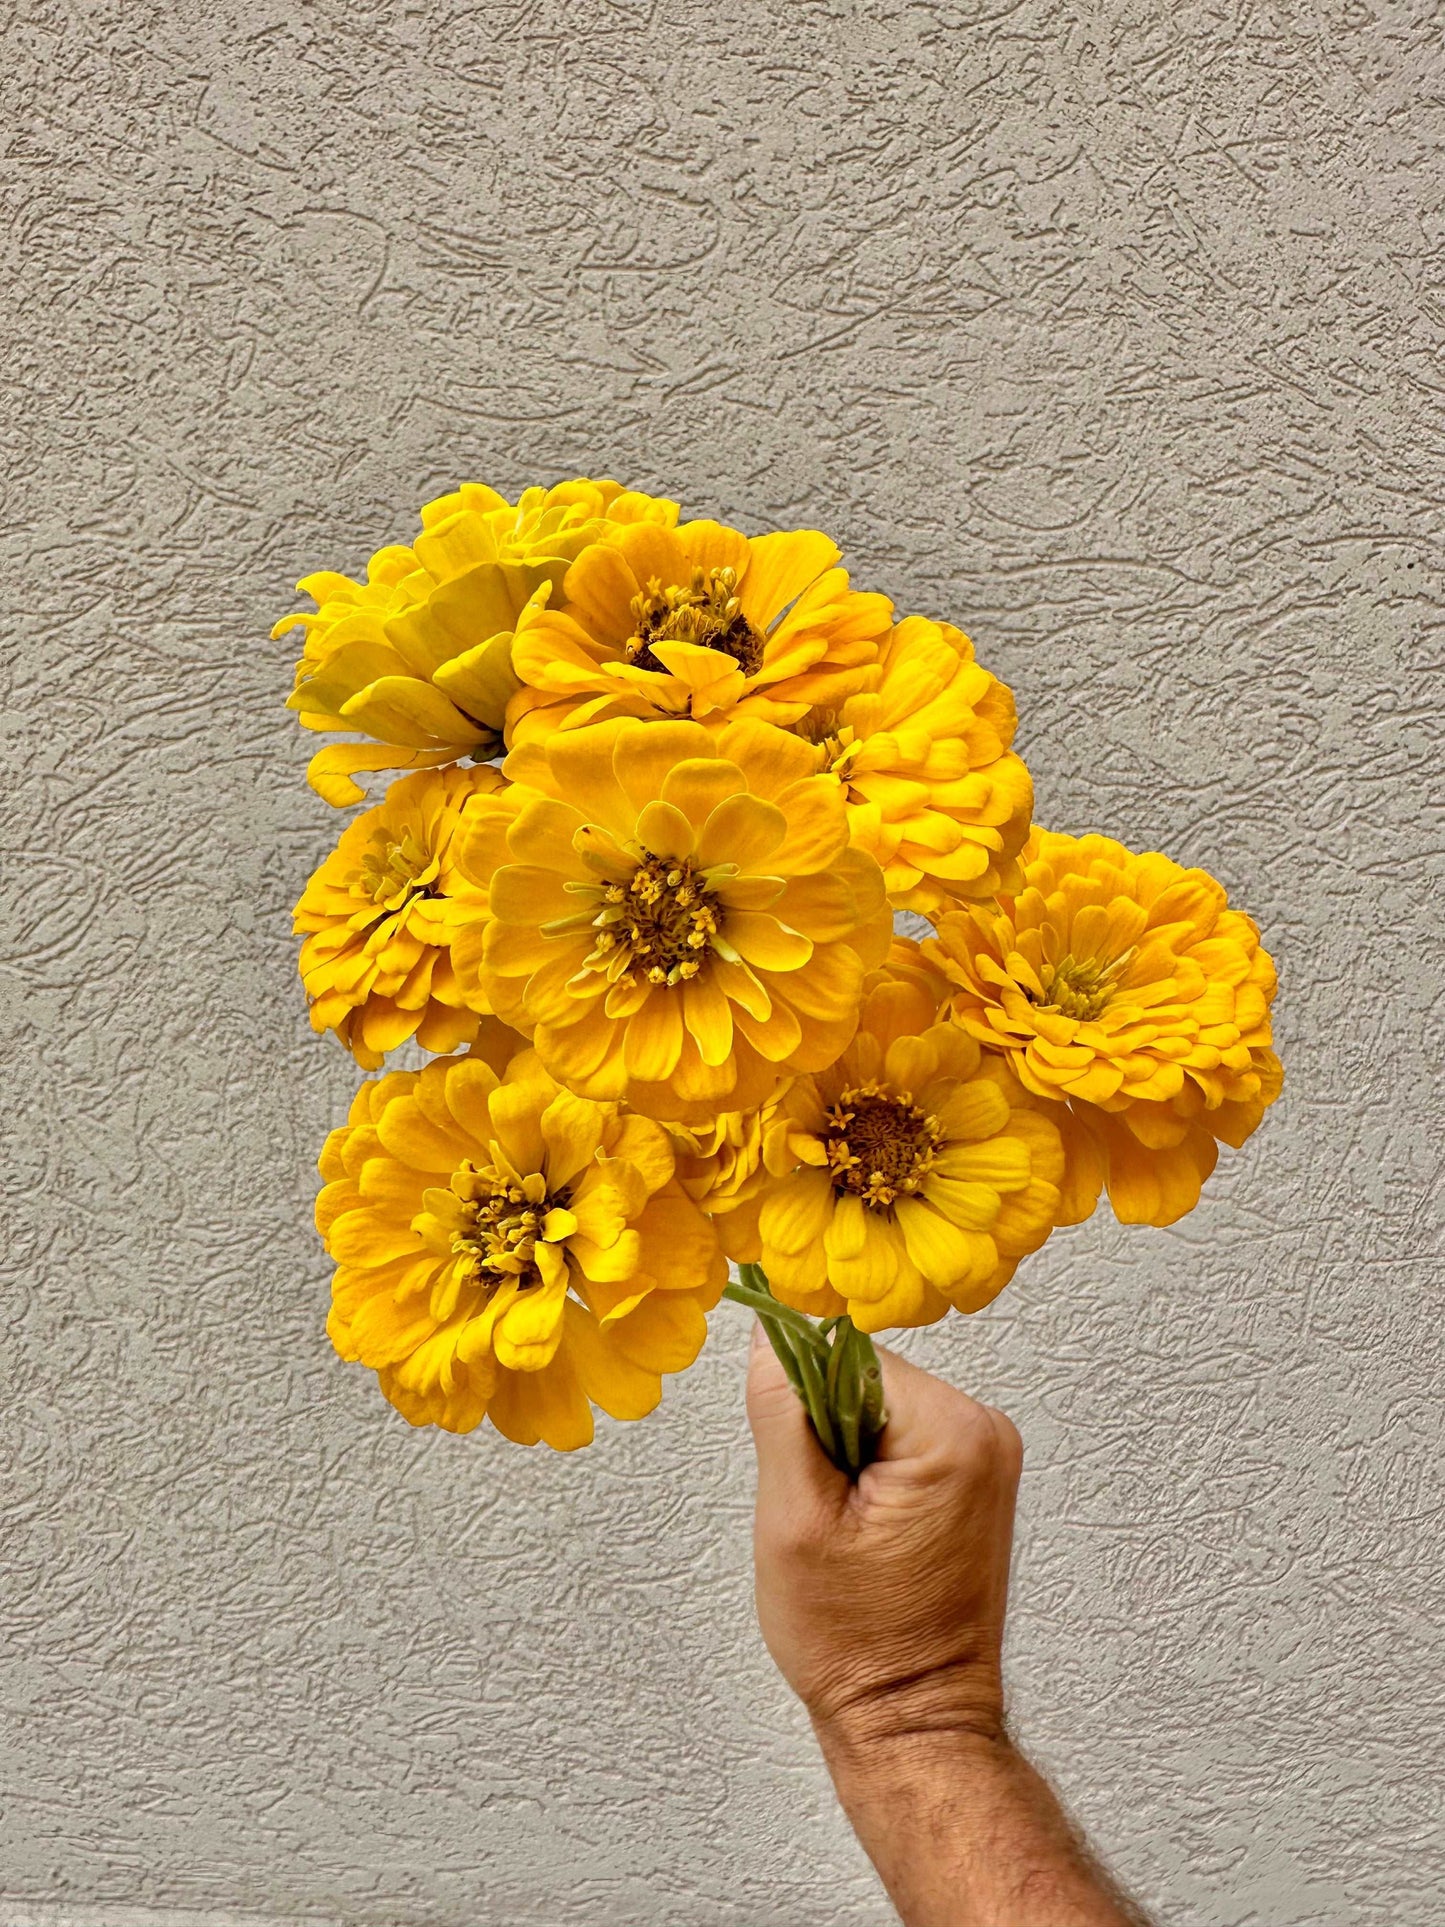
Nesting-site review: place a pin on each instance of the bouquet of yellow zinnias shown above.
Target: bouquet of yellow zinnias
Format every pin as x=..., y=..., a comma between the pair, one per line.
x=664, y=786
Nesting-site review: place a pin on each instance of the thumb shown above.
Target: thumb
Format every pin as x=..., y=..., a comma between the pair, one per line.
x=793, y=1469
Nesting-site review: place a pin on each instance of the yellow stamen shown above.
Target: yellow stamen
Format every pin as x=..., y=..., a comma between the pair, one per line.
x=1080, y=987
x=879, y=1145
x=660, y=921
x=706, y=612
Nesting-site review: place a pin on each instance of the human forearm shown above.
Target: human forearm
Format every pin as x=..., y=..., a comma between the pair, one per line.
x=883, y=1604
x=965, y=1833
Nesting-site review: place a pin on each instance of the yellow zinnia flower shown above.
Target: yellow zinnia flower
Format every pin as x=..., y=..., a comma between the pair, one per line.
x=675, y=914
x=381, y=913
x=911, y=1175
x=506, y=1250
x=418, y=657
x=720, y=1165
x=1126, y=994
x=933, y=789
x=695, y=621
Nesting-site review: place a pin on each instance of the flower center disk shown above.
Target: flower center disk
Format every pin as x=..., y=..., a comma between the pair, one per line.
x=661, y=923
x=705, y=612
x=879, y=1147
x=498, y=1225
x=390, y=870
x=1080, y=988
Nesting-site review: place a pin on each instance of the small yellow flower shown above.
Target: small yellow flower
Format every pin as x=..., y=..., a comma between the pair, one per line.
x=381, y=913
x=934, y=791
x=696, y=621
x=720, y=1165
x=675, y=915
x=1134, y=1002
x=506, y=1250
x=908, y=1177
x=418, y=657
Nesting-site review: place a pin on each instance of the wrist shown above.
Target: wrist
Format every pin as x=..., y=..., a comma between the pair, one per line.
x=866, y=1761
x=953, y=1708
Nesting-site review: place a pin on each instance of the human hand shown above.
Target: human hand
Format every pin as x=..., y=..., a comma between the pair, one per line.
x=883, y=1603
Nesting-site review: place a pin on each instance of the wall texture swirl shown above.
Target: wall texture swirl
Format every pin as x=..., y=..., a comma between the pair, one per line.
x=1113, y=331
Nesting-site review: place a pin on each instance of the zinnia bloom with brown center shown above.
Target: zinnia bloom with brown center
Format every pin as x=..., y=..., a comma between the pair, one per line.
x=696, y=621
x=934, y=792
x=909, y=1176
x=675, y=914
x=506, y=1250
x=382, y=912
x=419, y=656
x=1128, y=996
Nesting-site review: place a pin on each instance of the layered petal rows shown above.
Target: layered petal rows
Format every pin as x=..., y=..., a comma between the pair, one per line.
x=1126, y=994
x=419, y=657
x=914, y=1172
x=380, y=915
x=933, y=789
x=696, y=621
x=506, y=1250
x=677, y=918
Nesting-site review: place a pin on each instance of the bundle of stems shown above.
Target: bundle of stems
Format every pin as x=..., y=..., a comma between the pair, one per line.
x=831, y=1365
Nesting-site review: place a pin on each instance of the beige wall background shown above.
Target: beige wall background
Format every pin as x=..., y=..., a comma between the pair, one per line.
x=1112, y=331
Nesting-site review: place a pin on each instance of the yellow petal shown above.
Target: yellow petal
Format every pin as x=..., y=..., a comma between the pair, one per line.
x=743, y=830
x=411, y=1137
x=514, y=1108
x=571, y=1134
x=527, y=1336
x=400, y=709
x=708, y=1016
x=795, y=1216
x=763, y=942
x=698, y=785
x=665, y=830
x=944, y=1253
x=654, y=1037
x=780, y=567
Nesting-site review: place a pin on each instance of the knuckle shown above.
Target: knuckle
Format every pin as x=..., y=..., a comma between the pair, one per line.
x=986, y=1438
x=1010, y=1440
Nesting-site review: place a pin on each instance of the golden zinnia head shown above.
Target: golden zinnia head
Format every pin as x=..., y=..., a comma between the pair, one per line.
x=507, y=1250
x=675, y=914
x=909, y=1176
x=1130, y=998
x=696, y=621
x=419, y=657
x=720, y=1164
x=934, y=791
x=381, y=913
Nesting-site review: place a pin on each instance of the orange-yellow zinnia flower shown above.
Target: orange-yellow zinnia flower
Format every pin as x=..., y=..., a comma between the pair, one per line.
x=506, y=1250
x=909, y=1176
x=696, y=621
x=720, y=1164
x=418, y=657
x=1129, y=997
x=933, y=789
x=381, y=913
x=675, y=914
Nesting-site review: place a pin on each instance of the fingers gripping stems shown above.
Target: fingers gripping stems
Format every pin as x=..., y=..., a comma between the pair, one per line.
x=832, y=1367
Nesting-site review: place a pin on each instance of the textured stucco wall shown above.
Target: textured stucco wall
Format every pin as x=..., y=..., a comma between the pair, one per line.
x=1112, y=331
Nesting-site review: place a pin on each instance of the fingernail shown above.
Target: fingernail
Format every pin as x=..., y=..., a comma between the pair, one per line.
x=760, y=1337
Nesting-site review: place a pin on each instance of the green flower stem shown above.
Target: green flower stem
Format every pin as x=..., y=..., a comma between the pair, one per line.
x=766, y=1306
x=832, y=1367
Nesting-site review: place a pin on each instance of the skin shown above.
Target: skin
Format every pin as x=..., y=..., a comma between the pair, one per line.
x=883, y=1605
